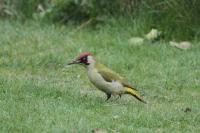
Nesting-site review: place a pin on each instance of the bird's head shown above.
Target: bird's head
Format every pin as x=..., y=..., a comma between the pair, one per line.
x=85, y=59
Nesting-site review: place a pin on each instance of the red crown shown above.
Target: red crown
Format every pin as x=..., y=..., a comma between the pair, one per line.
x=84, y=54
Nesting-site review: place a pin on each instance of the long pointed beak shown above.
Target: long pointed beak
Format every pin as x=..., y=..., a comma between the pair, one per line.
x=74, y=62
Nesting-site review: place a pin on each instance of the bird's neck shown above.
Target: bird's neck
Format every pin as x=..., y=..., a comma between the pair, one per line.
x=91, y=65
x=91, y=62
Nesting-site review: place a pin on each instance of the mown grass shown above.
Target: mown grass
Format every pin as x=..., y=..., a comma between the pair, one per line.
x=39, y=94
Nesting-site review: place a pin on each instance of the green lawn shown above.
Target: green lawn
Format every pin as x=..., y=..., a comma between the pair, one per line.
x=39, y=94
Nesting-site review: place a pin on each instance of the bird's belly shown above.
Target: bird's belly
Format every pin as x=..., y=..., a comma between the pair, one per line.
x=113, y=87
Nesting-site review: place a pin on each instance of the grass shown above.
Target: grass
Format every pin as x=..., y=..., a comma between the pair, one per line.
x=39, y=94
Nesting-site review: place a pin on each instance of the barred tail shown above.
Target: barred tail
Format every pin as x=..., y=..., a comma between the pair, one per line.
x=134, y=93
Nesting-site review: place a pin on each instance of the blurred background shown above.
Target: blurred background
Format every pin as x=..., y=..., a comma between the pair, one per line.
x=178, y=19
x=155, y=44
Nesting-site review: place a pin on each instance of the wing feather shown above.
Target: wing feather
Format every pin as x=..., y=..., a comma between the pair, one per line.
x=110, y=75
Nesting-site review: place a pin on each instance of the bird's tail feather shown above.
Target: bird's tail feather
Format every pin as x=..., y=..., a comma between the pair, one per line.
x=134, y=93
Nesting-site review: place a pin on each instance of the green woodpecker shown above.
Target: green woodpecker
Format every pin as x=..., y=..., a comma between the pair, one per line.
x=105, y=79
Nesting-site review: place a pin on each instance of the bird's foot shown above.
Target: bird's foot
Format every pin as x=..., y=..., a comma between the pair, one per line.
x=108, y=96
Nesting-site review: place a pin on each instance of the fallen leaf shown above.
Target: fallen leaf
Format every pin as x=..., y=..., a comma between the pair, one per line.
x=182, y=45
x=153, y=35
x=98, y=130
x=136, y=41
x=185, y=45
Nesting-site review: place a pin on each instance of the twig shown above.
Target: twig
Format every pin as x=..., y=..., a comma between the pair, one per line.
x=84, y=24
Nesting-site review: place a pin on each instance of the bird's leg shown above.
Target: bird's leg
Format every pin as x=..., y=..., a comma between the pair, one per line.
x=120, y=95
x=108, y=96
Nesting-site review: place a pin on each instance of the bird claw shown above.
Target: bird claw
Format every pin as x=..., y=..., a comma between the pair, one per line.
x=108, y=97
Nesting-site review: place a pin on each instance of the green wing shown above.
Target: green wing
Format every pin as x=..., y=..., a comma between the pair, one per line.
x=110, y=75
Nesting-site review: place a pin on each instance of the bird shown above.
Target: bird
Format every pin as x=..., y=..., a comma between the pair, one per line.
x=105, y=79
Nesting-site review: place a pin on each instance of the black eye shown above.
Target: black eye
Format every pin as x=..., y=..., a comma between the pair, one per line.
x=84, y=58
